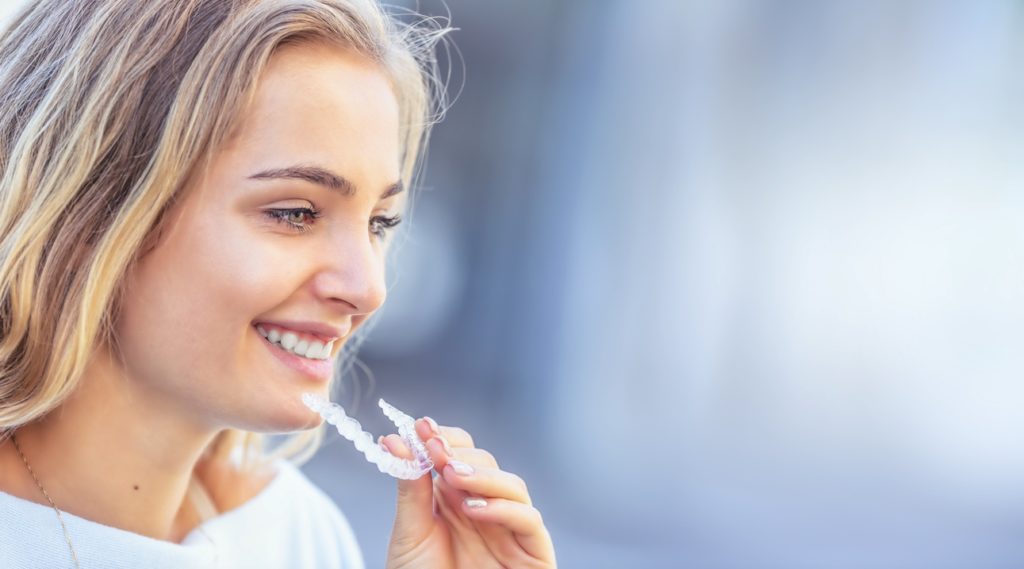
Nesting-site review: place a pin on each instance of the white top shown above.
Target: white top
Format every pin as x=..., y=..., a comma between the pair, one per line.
x=290, y=523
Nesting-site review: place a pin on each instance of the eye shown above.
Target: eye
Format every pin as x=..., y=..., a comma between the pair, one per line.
x=382, y=224
x=300, y=219
x=293, y=217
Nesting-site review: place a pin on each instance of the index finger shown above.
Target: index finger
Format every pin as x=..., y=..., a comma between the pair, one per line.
x=427, y=428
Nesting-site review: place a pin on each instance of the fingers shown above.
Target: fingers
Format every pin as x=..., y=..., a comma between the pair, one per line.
x=444, y=443
x=440, y=451
x=469, y=469
x=395, y=445
x=472, y=482
x=427, y=428
x=475, y=456
x=521, y=519
x=457, y=437
x=486, y=481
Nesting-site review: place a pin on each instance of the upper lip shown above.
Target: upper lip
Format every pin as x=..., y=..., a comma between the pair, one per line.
x=324, y=331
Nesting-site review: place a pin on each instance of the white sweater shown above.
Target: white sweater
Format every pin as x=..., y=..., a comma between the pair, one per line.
x=290, y=523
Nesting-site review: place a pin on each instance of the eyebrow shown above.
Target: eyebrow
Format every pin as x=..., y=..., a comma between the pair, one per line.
x=321, y=177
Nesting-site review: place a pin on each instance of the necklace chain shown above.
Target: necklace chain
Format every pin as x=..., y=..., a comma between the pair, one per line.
x=67, y=536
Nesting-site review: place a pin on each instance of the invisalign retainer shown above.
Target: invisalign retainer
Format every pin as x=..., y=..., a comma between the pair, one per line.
x=374, y=453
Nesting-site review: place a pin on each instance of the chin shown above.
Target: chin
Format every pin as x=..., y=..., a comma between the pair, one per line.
x=279, y=419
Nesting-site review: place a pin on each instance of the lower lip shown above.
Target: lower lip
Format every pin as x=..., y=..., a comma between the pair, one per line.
x=319, y=370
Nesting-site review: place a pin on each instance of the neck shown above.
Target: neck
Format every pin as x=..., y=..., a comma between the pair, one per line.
x=117, y=454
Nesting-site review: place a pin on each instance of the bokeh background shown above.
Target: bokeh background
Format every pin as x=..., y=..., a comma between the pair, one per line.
x=731, y=284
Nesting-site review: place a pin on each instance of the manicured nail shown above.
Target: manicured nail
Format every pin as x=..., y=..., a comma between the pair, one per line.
x=444, y=443
x=461, y=468
x=476, y=503
x=433, y=426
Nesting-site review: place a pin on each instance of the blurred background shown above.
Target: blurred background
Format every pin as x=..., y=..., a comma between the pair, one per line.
x=731, y=284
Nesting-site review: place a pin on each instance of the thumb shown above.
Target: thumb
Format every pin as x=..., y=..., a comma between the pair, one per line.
x=414, y=515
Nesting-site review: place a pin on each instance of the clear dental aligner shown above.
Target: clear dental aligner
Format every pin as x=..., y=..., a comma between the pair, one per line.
x=406, y=469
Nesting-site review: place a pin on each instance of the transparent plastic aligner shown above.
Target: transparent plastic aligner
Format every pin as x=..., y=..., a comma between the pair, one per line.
x=407, y=430
x=364, y=442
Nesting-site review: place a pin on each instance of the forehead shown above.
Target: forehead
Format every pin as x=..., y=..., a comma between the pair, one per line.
x=321, y=104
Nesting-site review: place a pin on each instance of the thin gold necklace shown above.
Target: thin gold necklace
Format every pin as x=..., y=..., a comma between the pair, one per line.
x=59, y=517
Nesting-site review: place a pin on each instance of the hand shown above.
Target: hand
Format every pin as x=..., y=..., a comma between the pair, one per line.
x=437, y=528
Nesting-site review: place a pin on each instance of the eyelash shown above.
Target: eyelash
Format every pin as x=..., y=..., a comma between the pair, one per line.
x=281, y=216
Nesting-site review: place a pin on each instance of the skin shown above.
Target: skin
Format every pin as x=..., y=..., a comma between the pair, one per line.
x=435, y=526
x=194, y=364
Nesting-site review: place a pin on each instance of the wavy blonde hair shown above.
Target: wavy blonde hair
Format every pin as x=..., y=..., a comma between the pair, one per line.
x=108, y=108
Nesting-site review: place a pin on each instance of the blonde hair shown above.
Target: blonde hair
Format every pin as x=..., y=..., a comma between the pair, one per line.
x=108, y=109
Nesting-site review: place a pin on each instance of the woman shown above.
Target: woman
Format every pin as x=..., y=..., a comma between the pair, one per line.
x=176, y=176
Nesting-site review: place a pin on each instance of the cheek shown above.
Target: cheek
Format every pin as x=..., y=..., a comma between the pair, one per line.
x=188, y=311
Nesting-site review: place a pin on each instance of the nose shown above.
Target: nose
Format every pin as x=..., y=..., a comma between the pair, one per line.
x=352, y=275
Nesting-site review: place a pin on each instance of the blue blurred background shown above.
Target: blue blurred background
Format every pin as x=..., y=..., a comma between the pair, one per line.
x=731, y=284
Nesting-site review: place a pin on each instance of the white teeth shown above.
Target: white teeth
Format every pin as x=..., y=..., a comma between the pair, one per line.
x=288, y=340
x=314, y=350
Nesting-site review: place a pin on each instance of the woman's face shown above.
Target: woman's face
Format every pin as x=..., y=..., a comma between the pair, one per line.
x=322, y=136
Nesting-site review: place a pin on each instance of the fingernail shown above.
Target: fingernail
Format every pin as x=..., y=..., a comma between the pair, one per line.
x=447, y=447
x=461, y=468
x=433, y=426
x=476, y=503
